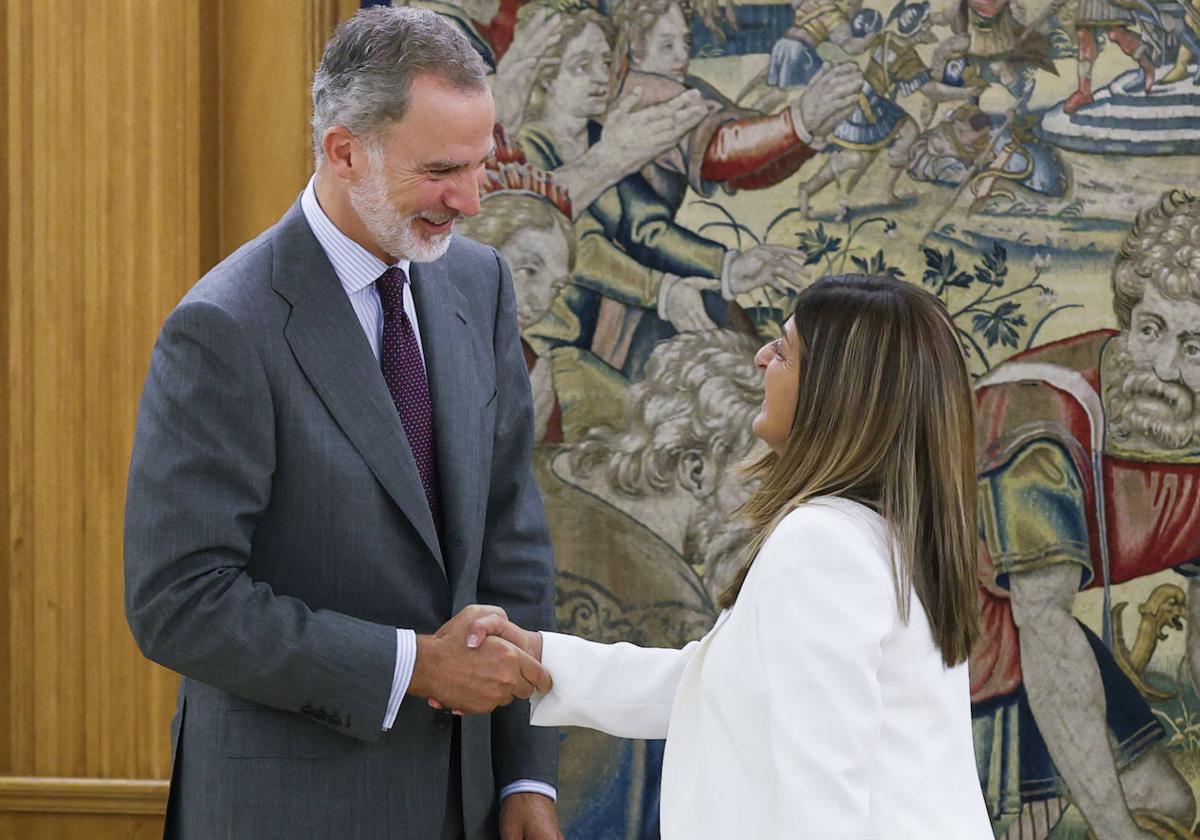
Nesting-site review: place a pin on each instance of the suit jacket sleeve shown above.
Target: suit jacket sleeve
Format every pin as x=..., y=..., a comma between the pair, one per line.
x=622, y=689
x=824, y=603
x=199, y=480
x=516, y=570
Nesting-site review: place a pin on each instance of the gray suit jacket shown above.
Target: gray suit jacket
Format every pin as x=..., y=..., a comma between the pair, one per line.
x=276, y=533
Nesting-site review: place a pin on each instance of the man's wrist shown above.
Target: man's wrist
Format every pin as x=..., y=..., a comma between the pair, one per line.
x=802, y=132
x=530, y=786
x=601, y=156
x=421, y=683
x=665, y=286
x=798, y=127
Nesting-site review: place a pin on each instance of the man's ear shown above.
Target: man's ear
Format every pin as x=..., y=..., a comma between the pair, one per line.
x=695, y=474
x=344, y=153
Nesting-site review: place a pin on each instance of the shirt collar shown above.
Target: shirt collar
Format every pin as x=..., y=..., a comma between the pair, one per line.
x=355, y=266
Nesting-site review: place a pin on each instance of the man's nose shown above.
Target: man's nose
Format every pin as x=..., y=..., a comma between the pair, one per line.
x=760, y=358
x=462, y=194
x=1166, y=363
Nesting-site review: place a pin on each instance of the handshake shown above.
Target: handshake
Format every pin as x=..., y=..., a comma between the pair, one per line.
x=478, y=661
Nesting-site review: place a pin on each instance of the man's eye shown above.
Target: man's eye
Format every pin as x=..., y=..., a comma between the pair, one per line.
x=1192, y=350
x=1149, y=331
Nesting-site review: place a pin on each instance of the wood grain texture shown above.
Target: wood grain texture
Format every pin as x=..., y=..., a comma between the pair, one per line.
x=6, y=488
x=142, y=141
x=104, y=233
x=80, y=827
x=49, y=795
x=265, y=83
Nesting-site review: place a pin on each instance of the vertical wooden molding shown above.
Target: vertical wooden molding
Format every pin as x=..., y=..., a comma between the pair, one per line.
x=323, y=17
x=6, y=485
x=19, y=696
x=209, y=83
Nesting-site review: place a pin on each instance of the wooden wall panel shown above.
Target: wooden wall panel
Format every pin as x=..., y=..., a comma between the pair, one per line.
x=104, y=233
x=7, y=674
x=142, y=140
x=79, y=827
x=266, y=72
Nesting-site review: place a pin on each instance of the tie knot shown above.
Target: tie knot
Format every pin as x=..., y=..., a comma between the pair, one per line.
x=391, y=289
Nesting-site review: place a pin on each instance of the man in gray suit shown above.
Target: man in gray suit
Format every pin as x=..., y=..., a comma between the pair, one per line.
x=331, y=467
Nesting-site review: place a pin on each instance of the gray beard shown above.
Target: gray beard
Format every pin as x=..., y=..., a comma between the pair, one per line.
x=1140, y=405
x=395, y=234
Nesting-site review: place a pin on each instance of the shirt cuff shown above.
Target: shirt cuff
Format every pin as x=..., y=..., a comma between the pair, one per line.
x=530, y=786
x=406, y=660
x=727, y=292
x=802, y=133
x=664, y=291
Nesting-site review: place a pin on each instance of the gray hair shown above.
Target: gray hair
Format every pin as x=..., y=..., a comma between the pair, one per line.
x=504, y=214
x=365, y=78
x=1162, y=249
x=700, y=394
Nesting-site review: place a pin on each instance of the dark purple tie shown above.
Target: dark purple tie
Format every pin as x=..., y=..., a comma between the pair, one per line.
x=404, y=372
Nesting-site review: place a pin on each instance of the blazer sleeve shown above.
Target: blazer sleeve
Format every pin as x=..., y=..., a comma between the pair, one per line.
x=516, y=570
x=621, y=689
x=823, y=603
x=199, y=480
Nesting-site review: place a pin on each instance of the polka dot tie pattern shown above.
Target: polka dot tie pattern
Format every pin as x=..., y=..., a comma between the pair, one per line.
x=404, y=372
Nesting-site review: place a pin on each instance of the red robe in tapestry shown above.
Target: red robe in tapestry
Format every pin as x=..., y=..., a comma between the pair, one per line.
x=1152, y=507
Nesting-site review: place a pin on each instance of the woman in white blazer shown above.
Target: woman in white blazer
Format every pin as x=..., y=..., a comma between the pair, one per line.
x=831, y=698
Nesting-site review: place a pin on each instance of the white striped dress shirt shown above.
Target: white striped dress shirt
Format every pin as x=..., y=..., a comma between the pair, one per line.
x=358, y=269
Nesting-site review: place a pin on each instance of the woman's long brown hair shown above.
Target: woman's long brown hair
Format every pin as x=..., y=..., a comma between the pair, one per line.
x=885, y=416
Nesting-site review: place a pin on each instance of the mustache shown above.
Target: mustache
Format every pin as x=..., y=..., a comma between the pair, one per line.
x=440, y=218
x=1144, y=387
x=1165, y=412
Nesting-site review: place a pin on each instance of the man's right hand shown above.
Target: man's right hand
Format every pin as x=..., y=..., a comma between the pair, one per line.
x=497, y=624
x=778, y=266
x=684, y=305
x=829, y=99
x=474, y=678
x=634, y=135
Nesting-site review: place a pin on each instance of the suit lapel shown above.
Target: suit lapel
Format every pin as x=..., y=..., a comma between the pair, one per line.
x=328, y=344
x=446, y=341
